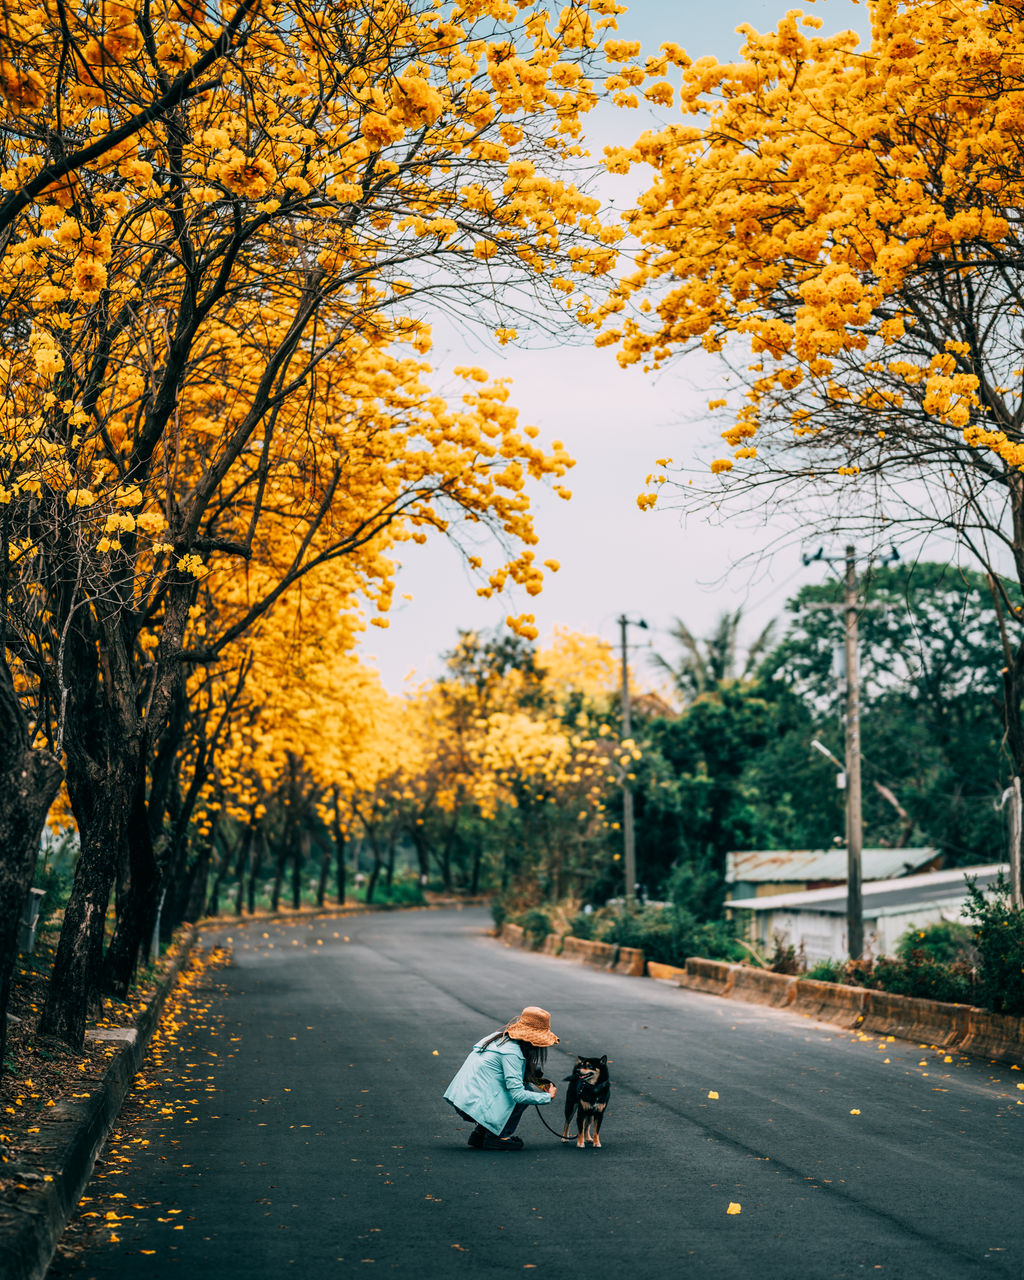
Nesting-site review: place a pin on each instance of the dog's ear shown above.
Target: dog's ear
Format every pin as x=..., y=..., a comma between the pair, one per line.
x=604, y=1059
x=579, y=1059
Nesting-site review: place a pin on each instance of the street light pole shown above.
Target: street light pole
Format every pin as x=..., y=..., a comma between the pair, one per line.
x=628, y=838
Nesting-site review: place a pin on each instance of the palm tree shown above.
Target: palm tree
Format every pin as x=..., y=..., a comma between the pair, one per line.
x=704, y=666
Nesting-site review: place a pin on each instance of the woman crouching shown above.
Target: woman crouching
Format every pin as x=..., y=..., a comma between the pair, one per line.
x=501, y=1077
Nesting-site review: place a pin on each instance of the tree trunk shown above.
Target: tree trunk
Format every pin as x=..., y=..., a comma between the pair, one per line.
x=325, y=871
x=420, y=844
x=275, y=897
x=29, y=781
x=198, y=877
x=242, y=866
x=300, y=855
x=371, y=884
x=74, y=984
x=228, y=859
x=339, y=848
x=137, y=909
x=256, y=870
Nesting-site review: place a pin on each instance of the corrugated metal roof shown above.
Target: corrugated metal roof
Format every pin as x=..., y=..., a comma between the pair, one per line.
x=766, y=865
x=908, y=893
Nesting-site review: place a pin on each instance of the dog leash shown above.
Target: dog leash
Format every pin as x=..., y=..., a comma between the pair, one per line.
x=540, y=1117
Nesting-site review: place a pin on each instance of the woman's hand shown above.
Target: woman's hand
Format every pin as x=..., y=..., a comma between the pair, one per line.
x=551, y=1090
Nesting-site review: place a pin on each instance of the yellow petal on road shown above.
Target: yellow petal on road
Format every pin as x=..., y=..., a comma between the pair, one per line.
x=855, y=1111
x=733, y=1208
x=714, y=1097
x=433, y=1053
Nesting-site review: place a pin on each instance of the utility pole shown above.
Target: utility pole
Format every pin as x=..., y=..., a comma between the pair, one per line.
x=854, y=825
x=628, y=839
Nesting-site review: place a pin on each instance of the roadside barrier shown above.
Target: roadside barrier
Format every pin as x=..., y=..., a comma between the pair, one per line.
x=978, y=1032
x=761, y=986
x=996, y=1036
x=630, y=962
x=829, y=1002
x=712, y=976
x=598, y=955
x=909, y=1018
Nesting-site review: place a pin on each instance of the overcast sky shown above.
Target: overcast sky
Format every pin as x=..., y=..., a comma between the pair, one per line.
x=616, y=423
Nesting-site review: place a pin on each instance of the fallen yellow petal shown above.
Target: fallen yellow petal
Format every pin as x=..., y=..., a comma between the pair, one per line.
x=433, y=1053
x=855, y=1111
x=733, y=1208
x=714, y=1097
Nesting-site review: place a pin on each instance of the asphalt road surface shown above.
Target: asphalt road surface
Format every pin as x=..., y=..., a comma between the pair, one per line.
x=309, y=1136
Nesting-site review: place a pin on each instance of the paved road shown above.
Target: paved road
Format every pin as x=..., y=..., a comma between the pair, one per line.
x=312, y=1138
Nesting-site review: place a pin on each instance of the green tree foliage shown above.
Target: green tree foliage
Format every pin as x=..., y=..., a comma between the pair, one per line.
x=999, y=937
x=930, y=657
x=732, y=772
x=704, y=666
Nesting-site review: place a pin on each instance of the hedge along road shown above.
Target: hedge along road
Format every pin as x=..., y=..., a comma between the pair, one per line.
x=309, y=1134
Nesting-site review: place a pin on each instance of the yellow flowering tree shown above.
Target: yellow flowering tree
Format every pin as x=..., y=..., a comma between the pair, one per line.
x=844, y=222
x=205, y=366
x=515, y=758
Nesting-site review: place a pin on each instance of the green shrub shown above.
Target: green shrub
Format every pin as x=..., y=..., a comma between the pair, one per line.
x=999, y=937
x=585, y=925
x=786, y=958
x=670, y=935
x=827, y=971
x=919, y=975
x=405, y=892
x=499, y=912
x=536, y=925
x=945, y=942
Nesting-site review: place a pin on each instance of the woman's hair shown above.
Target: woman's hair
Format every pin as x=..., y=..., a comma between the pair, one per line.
x=535, y=1058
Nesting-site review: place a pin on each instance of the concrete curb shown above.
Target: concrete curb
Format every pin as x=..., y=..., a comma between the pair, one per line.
x=630, y=962
x=513, y=935
x=71, y=1139
x=598, y=955
x=829, y=1002
x=908, y=1018
x=712, y=976
x=995, y=1036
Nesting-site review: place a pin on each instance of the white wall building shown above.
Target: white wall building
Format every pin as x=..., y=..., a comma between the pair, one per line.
x=816, y=919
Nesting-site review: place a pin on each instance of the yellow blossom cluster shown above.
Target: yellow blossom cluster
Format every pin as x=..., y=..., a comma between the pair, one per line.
x=817, y=189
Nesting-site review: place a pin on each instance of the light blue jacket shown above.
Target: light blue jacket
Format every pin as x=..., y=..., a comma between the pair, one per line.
x=491, y=1082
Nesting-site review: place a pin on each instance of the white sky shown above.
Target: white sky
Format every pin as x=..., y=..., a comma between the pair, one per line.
x=615, y=423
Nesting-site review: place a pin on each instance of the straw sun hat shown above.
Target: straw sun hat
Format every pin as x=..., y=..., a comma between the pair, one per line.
x=534, y=1026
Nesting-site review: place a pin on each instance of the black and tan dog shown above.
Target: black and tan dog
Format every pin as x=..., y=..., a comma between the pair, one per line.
x=587, y=1098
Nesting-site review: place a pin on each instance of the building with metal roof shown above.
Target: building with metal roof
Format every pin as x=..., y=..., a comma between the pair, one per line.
x=752, y=873
x=816, y=919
